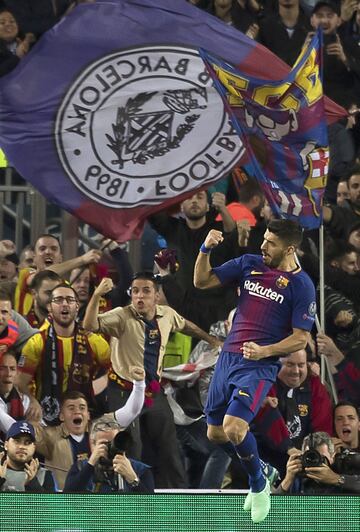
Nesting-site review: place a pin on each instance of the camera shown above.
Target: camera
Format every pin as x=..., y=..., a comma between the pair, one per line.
x=104, y=472
x=312, y=458
x=119, y=445
x=347, y=462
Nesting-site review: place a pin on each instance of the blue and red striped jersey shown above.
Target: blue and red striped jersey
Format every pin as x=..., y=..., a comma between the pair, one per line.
x=271, y=302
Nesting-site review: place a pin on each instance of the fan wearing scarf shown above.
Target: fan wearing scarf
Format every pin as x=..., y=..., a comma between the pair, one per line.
x=61, y=357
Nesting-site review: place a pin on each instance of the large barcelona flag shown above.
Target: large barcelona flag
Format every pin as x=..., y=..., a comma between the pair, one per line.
x=282, y=124
x=113, y=114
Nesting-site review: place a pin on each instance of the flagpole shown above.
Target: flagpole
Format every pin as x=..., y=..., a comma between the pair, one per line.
x=324, y=361
x=322, y=278
x=325, y=367
x=320, y=325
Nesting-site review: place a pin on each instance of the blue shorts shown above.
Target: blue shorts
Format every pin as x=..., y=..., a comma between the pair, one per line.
x=238, y=387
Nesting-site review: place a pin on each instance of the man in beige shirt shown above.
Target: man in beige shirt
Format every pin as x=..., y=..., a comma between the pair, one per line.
x=140, y=332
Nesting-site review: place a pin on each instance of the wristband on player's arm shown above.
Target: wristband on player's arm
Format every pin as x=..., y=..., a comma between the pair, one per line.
x=204, y=249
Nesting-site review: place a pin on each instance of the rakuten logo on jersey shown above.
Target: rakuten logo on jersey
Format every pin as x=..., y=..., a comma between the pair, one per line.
x=255, y=289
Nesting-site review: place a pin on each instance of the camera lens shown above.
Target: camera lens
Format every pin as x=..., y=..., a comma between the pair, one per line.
x=311, y=458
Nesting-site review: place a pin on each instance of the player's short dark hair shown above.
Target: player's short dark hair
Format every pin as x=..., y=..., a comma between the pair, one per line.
x=147, y=275
x=288, y=231
x=44, y=275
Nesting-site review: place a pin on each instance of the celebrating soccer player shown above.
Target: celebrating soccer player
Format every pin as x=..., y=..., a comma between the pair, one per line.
x=275, y=312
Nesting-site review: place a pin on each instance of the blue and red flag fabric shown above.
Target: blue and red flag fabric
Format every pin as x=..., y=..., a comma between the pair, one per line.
x=283, y=126
x=113, y=115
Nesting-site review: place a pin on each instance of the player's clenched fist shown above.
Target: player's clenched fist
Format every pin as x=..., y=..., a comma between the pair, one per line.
x=213, y=239
x=253, y=351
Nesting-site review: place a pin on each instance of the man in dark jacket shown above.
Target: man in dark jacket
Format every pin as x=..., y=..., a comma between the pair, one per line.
x=107, y=471
x=19, y=470
x=186, y=235
x=341, y=68
x=284, y=31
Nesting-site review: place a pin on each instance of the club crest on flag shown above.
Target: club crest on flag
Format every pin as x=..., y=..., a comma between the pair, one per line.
x=317, y=164
x=138, y=125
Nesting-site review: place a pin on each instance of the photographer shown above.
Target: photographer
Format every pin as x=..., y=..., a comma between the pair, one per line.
x=19, y=470
x=108, y=469
x=314, y=470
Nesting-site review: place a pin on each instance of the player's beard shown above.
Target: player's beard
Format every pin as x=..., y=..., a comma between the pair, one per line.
x=274, y=262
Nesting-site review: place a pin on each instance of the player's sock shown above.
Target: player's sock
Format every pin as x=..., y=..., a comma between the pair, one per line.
x=270, y=472
x=229, y=448
x=249, y=456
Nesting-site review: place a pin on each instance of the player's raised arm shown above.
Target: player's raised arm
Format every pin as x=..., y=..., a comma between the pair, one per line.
x=203, y=276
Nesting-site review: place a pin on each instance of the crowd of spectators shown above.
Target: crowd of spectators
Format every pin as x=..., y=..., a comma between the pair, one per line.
x=82, y=357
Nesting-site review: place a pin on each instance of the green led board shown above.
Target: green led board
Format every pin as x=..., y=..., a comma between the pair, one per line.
x=213, y=512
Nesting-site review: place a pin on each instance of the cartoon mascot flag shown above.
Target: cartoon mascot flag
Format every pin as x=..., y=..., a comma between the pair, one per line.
x=283, y=127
